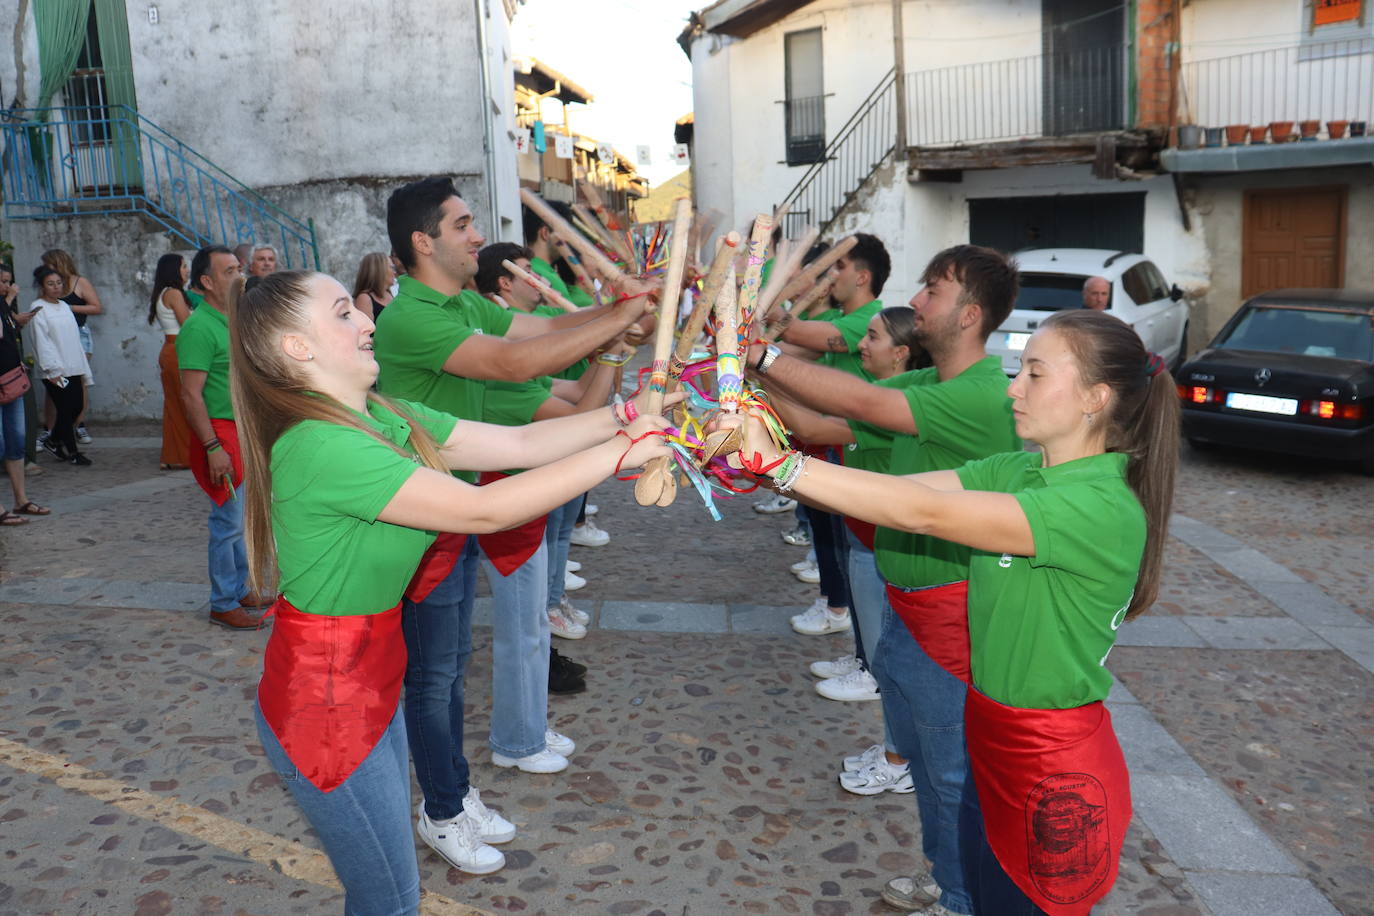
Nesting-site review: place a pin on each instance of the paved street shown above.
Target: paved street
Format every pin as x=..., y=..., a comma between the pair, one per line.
x=704, y=781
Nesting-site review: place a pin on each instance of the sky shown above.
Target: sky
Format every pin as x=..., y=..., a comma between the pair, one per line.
x=625, y=54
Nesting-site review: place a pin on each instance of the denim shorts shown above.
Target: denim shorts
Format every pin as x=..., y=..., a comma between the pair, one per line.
x=12, y=430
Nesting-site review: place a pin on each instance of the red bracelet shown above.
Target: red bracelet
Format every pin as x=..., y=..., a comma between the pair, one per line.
x=633, y=442
x=631, y=412
x=756, y=466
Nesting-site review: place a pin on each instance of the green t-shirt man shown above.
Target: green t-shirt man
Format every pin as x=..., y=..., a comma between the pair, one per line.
x=577, y=369
x=203, y=346
x=329, y=482
x=959, y=420
x=1040, y=627
x=416, y=335
x=574, y=294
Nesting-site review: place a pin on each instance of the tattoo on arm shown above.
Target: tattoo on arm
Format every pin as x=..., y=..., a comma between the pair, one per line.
x=836, y=344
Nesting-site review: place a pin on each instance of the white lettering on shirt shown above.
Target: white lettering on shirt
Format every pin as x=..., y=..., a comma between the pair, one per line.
x=1005, y=562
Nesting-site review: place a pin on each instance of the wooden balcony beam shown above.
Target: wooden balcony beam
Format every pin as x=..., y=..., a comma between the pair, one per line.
x=1132, y=149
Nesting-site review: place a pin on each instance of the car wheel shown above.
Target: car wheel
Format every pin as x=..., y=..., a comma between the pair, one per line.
x=1182, y=351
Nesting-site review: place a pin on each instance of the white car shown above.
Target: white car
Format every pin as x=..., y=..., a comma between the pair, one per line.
x=1052, y=280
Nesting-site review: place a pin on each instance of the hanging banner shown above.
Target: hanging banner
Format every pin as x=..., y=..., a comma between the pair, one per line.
x=563, y=146
x=643, y=156
x=523, y=141
x=681, y=154
x=1327, y=12
x=541, y=142
x=605, y=153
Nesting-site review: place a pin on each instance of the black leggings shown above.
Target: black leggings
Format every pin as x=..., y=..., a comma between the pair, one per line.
x=828, y=539
x=66, y=402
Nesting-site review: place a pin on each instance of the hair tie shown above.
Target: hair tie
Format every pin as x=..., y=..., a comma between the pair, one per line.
x=1154, y=364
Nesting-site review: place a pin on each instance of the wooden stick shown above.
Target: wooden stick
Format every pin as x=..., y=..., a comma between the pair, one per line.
x=783, y=269
x=590, y=253
x=816, y=268
x=710, y=291
x=656, y=485
x=584, y=279
x=818, y=293
x=613, y=228
x=749, y=289
x=597, y=230
x=551, y=294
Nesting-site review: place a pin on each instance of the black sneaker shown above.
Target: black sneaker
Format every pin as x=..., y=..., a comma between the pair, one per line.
x=562, y=680
x=556, y=658
x=80, y=460
x=52, y=448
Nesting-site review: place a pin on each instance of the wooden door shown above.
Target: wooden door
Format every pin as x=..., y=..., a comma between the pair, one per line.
x=1293, y=238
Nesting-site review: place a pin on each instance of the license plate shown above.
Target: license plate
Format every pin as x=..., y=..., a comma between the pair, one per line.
x=1262, y=403
x=1017, y=341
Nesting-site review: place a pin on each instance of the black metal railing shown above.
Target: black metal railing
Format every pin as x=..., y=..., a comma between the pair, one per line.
x=857, y=151
x=1326, y=81
x=805, y=125
x=1043, y=95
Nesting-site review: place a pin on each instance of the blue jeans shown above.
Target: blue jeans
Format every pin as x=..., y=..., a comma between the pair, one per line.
x=12, y=429
x=519, y=655
x=868, y=594
x=992, y=888
x=828, y=541
x=558, y=538
x=364, y=823
x=228, y=559
x=438, y=634
x=923, y=709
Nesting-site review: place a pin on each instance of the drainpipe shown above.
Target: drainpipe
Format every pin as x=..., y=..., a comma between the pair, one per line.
x=488, y=139
x=899, y=73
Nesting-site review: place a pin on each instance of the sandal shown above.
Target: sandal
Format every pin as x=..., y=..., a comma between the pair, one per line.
x=8, y=519
x=32, y=508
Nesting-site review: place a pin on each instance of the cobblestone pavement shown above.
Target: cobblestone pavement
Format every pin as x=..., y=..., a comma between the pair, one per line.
x=704, y=780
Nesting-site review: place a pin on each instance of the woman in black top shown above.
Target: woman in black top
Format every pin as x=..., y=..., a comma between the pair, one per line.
x=12, y=414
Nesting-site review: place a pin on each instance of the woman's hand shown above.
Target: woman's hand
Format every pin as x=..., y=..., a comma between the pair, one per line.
x=757, y=443
x=649, y=446
x=669, y=400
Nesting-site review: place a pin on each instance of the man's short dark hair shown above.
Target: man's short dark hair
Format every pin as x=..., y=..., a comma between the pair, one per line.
x=200, y=264
x=871, y=255
x=531, y=223
x=416, y=207
x=989, y=278
x=489, y=269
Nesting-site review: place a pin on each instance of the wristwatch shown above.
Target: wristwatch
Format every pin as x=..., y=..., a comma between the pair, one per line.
x=770, y=353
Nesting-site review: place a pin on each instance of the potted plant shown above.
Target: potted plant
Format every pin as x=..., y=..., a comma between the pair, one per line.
x=1280, y=131
x=1235, y=134
x=1335, y=130
x=1257, y=132
x=1309, y=129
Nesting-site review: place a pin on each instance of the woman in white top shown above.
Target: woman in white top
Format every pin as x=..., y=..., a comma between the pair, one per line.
x=169, y=308
x=62, y=360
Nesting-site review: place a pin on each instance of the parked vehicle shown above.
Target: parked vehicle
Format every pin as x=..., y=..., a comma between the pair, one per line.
x=1292, y=371
x=1052, y=280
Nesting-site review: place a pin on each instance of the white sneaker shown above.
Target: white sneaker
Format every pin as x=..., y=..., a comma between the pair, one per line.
x=866, y=759
x=811, y=575
x=919, y=892
x=588, y=535
x=575, y=614
x=845, y=664
x=458, y=842
x=776, y=505
x=879, y=778
x=560, y=625
x=797, y=537
x=591, y=509
x=854, y=687
x=809, y=560
x=818, y=621
x=572, y=582
x=491, y=826
x=83, y=436
x=559, y=744
x=546, y=761
x=572, y=566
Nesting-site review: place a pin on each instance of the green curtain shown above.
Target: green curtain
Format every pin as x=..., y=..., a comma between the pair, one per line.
x=61, y=33
x=112, y=23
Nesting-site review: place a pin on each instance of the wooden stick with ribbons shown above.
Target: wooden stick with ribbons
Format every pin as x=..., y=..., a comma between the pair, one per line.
x=784, y=268
x=607, y=219
x=591, y=255
x=817, y=295
x=552, y=295
x=584, y=279
x=656, y=485
x=807, y=277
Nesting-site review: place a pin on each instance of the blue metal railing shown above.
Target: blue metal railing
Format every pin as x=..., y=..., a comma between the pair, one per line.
x=81, y=161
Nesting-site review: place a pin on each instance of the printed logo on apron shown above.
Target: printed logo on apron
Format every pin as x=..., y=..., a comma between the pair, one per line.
x=1069, y=845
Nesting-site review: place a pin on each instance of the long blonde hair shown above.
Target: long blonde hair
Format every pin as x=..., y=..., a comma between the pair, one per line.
x=371, y=277
x=270, y=395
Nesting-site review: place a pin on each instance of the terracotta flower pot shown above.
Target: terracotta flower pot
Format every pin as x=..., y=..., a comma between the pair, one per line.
x=1257, y=133
x=1235, y=134
x=1335, y=130
x=1280, y=131
x=1309, y=129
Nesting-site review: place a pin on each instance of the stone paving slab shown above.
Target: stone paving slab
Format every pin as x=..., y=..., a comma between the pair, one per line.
x=47, y=591
x=166, y=596
x=763, y=620
x=1356, y=642
x=1151, y=630
x=1254, y=633
x=1148, y=747
x=1309, y=605
x=1203, y=827
x=1249, y=895
x=663, y=617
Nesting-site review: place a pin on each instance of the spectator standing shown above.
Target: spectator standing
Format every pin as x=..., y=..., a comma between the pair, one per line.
x=374, y=286
x=62, y=361
x=78, y=293
x=9, y=301
x=12, y=425
x=169, y=307
x=244, y=252
x=263, y=262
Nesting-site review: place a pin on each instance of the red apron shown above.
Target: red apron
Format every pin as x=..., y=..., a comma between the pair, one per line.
x=508, y=550
x=938, y=620
x=1055, y=795
x=864, y=531
x=435, y=565
x=330, y=687
x=228, y=433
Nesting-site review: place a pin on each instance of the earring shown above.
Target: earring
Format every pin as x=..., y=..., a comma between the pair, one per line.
x=310, y=356
x=1087, y=416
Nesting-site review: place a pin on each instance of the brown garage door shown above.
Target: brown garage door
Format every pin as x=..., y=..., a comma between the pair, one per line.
x=1293, y=238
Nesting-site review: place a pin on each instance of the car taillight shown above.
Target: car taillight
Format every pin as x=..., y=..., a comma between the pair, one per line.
x=1333, y=410
x=1196, y=394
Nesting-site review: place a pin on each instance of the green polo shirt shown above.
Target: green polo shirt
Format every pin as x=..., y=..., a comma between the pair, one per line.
x=574, y=294
x=203, y=346
x=577, y=369
x=329, y=482
x=194, y=299
x=416, y=335
x=959, y=420
x=1040, y=627
x=852, y=328
x=515, y=403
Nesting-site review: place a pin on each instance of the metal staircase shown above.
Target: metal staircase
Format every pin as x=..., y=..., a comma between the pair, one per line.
x=859, y=149
x=89, y=161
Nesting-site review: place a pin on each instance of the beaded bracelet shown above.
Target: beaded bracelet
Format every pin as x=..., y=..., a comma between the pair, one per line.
x=607, y=359
x=210, y=443
x=787, y=477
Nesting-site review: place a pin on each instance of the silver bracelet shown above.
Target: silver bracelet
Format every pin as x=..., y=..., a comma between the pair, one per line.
x=798, y=469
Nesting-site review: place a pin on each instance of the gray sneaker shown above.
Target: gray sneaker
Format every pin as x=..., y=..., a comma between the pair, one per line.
x=919, y=892
x=797, y=537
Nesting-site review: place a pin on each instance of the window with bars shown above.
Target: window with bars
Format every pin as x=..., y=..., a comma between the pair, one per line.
x=86, y=89
x=804, y=105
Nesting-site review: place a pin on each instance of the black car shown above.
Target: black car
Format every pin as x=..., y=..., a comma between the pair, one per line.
x=1292, y=371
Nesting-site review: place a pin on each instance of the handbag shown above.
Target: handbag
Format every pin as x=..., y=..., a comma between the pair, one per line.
x=13, y=384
